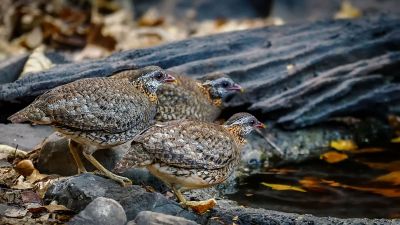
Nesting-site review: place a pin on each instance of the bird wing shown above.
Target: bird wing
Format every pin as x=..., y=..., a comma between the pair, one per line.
x=98, y=104
x=189, y=144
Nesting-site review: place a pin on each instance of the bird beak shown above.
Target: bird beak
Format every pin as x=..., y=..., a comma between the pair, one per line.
x=236, y=87
x=260, y=125
x=170, y=79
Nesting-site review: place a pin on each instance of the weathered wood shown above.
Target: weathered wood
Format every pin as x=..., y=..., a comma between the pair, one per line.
x=296, y=75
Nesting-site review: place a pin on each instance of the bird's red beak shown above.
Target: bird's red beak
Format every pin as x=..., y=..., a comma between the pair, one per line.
x=170, y=79
x=260, y=125
x=236, y=87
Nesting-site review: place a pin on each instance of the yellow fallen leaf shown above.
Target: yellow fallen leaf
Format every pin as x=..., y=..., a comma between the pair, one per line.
x=395, y=140
x=344, y=145
x=201, y=207
x=283, y=187
x=347, y=11
x=311, y=183
x=333, y=157
x=392, y=177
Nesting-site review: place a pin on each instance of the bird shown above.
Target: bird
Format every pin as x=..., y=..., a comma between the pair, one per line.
x=188, y=98
x=98, y=113
x=190, y=154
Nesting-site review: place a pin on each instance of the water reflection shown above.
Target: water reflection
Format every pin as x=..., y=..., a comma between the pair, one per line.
x=365, y=185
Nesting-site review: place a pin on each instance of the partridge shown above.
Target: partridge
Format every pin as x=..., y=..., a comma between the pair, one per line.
x=190, y=154
x=188, y=98
x=98, y=113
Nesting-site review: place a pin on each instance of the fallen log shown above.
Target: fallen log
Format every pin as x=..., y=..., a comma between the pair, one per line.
x=296, y=75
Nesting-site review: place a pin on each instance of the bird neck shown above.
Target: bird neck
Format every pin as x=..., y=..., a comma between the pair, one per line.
x=141, y=87
x=206, y=91
x=237, y=132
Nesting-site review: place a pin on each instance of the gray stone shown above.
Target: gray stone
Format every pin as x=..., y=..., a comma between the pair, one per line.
x=55, y=157
x=78, y=191
x=101, y=211
x=229, y=212
x=25, y=136
x=153, y=218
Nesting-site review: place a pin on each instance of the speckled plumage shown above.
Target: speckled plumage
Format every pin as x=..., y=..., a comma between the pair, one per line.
x=97, y=111
x=188, y=98
x=188, y=153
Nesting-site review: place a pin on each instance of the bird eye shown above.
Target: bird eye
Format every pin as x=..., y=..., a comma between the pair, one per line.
x=159, y=76
x=225, y=84
x=252, y=122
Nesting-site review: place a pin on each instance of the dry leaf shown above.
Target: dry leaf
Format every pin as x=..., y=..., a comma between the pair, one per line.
x=56, y=208
x=395, y=140
x=6, y=150
x=333, y=157
x=22, y=184
x=392, y=177
x=201, y=206
x=344, y=145
x=347, y=11
x=36, y=62
x=283, y=187
x=15, y=212
x=311, y=183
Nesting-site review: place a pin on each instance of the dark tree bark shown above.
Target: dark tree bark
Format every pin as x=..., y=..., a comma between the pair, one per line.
x=296, y=75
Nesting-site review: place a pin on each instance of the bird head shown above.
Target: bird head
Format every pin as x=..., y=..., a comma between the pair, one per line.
x=221, y=87
x=153, y=77
x=243, y=123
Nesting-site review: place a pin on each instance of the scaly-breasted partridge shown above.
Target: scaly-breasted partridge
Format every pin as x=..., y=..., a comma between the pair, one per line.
x=188, y=98
x=98, y=112
x=190, y=154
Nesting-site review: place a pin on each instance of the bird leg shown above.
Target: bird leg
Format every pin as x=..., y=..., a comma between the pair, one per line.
x=73, y=148
x=124, y=181
x=197, y=206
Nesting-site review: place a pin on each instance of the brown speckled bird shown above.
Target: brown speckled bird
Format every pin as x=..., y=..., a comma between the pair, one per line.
x=190, y=154
x=98, y=112
x=188, y=98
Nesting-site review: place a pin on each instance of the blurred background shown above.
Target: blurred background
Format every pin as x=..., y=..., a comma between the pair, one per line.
x=96, y=28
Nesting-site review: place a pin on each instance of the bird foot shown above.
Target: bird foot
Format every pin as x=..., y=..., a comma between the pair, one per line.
x=200, y=206
x=83, y=170
x=124, y=181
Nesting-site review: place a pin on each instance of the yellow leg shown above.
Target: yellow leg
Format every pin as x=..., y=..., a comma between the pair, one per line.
x=197, y=206
x=124, y=181
x=73, y=146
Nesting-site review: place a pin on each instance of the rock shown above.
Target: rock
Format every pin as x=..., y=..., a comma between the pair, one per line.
x=78, y=191
x=228, y=212
x=25, y=136
x=102, y=211
x=55, y=157
x=152, y=218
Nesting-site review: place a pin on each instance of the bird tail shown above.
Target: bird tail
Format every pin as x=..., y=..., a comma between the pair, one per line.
x=136, y=156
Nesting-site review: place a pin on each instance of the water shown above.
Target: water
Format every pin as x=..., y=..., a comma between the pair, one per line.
x=346, y=189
